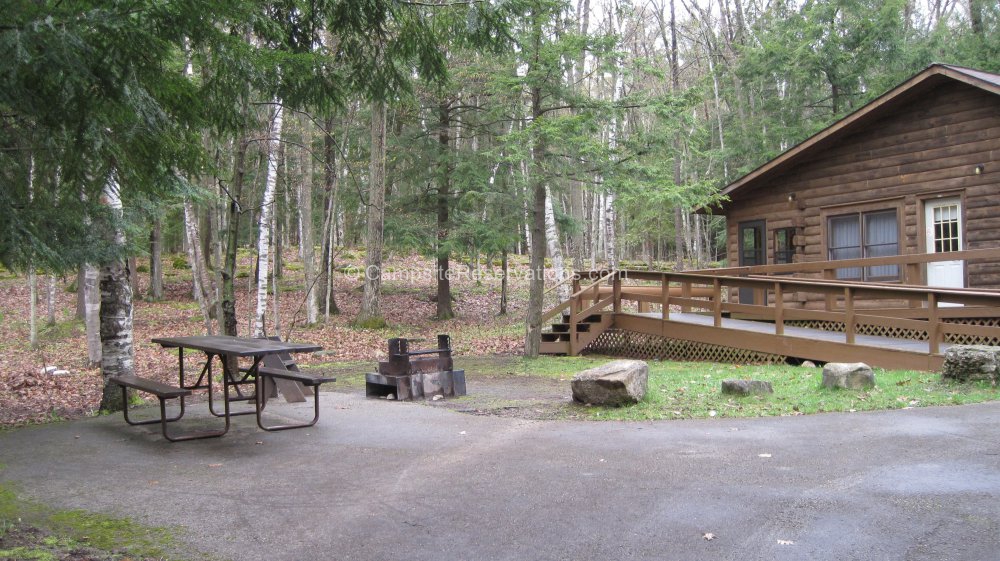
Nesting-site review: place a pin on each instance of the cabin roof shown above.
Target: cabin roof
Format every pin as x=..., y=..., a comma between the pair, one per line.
x=932, y=76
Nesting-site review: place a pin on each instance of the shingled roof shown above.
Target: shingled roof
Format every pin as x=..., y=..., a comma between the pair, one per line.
x=930, y=77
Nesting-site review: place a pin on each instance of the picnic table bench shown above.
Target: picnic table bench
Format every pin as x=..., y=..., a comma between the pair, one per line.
x=271, y=362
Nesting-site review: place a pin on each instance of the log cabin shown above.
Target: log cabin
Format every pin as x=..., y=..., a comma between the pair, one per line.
x=917, y=170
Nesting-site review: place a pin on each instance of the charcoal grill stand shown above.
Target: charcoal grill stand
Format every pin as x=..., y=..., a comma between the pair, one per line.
x=416, y=374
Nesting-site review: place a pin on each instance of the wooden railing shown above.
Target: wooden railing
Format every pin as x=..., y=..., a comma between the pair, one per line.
x=894, y=306
x=841, y=306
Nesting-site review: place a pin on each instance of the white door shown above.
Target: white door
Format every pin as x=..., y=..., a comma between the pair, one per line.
x=943, y=222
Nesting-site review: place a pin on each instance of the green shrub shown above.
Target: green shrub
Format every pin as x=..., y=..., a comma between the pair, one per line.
x=179, y=262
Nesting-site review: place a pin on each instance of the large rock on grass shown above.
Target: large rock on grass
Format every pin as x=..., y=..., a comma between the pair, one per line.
x=968, y=363
x=620, y=382
x=746, y=387
x=848, y=375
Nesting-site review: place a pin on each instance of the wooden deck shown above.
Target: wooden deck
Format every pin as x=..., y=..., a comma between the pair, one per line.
x=800, y=342
x=898, y=326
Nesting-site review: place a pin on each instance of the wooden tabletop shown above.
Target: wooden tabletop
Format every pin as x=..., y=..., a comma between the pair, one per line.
x=235, y=346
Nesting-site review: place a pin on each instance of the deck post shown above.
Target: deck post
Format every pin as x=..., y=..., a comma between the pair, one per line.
x=665, y=295
x=717, y=302
x=933, y=325
x=616, y=287
x=849, y=321
x=779, y=310
x=830, y=274
x=576, y=304
x=686, y=294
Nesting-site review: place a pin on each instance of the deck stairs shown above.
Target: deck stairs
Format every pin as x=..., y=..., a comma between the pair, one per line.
x=561, y=339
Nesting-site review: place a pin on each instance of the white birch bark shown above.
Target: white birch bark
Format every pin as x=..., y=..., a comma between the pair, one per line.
x=117, y=352
x=555, y=248
x=266, y=212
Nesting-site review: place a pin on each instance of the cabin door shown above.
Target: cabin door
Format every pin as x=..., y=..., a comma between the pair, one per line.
x=943, y=223
x=752, y=252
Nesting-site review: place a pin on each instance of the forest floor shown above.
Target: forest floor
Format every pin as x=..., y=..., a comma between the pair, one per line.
x=28, y=395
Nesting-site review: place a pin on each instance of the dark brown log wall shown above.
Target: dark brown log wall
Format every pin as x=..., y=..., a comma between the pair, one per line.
x=925, y=148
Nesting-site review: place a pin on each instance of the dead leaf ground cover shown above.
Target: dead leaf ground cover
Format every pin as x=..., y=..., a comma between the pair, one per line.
x=26, y=395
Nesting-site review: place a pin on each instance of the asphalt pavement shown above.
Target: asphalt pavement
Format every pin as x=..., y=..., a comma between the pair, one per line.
x=382, y=480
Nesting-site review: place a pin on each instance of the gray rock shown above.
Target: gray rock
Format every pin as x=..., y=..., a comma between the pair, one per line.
x=850, y=376
x=746, y=387
x=619, y=382
x=967, y=363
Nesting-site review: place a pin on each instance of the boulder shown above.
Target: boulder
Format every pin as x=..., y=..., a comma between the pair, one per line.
x=848, y=375
x=967, y=363
x=746, y=387
x=616, y=383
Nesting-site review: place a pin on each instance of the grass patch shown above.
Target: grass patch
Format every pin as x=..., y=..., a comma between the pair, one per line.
x=683, y=390
x=32, y=531
x=62, y=330
x=376, y=322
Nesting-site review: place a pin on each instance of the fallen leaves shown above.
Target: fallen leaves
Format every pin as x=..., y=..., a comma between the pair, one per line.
x=27, y=395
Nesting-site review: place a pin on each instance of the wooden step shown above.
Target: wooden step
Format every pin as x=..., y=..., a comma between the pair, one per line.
x=554, y=348
x=554, y=337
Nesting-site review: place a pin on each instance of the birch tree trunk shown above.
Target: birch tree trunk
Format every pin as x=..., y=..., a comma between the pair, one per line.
x=536, y=285
x=371, y=313
x=200, y=281
x=555, y=249
x=266, y=214
x=117, y=353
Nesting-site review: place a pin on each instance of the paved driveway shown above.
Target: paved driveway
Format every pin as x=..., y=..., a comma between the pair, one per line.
x=378, y=480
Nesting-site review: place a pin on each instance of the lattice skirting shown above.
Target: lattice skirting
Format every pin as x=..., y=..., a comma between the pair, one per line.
x=642, y=346
x=914, y=334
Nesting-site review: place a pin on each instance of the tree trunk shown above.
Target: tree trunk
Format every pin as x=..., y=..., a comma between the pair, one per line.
x=232, y=240
x=200, y=283
x=50, y=300
x=331, y=184
x=503, y=282
x=117, y=353
x=32, y=307
x=555, y=249
x=536, y=286
x=266, y=213
x=444, y=309
x=155, y=260
x=306, y=234
x=92, y=313
x=371, y=313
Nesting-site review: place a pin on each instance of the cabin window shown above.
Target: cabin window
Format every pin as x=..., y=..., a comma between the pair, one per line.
x=784, y=251
x=864, y=234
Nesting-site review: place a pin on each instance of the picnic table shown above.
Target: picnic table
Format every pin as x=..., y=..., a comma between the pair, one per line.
x=270, y=362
